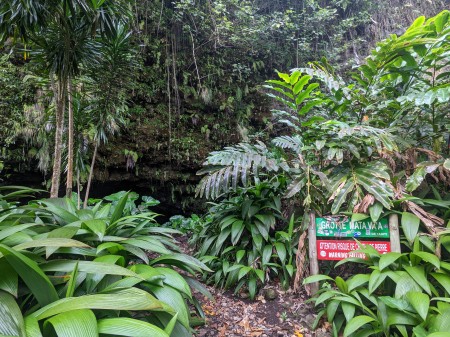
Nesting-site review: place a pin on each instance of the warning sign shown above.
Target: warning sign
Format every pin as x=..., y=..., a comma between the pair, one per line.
x=342, y=249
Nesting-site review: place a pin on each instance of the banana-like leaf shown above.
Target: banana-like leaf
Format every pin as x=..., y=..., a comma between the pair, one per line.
x=118, y=209
x=97, y=226
x=4, y=233
x=175, y=280
x=32, y=275
x=32, y=327
x=57, y=242
x=130, y=327
x=181, y=261
x=173, y=298
x=123, y=299
x=9, y=280
x=75, y=323
x=61, y=215
x=87, y=267
x=11, y=320
x=71, y=285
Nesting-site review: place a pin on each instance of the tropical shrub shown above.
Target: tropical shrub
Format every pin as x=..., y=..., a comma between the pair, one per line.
x=246, y=240
x=350, y=147
x=400, y=295
x=91, y=272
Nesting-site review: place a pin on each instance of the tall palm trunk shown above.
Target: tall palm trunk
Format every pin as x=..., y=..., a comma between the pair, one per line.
x=60, y=94
x=91, y=174
x=69, y=180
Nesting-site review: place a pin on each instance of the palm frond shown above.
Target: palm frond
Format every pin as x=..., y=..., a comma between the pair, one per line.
x=293, y=143
x=235, y=165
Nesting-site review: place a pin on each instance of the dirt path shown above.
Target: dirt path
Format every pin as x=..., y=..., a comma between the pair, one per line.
x=284, y=316
x=274, y=313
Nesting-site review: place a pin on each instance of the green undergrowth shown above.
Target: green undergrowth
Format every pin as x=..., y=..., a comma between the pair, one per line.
x=107, y=270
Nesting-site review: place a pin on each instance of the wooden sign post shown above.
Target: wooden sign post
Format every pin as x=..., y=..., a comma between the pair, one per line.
x=339, y=246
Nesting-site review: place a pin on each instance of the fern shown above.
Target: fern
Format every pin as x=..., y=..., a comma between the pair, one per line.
x=234, y=166
x=293, y=143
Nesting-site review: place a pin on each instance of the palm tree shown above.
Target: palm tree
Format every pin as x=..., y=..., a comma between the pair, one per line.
x=109, y=79
x=63, y=35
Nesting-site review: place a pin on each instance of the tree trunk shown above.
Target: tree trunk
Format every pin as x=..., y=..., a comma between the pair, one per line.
x=56, y=174
x=69, y=180
x=91, y=173
x=78, y=189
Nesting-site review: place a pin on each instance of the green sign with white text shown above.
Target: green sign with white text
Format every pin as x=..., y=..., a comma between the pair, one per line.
x=344, y=228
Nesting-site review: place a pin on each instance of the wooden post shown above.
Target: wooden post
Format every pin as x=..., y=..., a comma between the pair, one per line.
x=394, y=233
x=313, y=261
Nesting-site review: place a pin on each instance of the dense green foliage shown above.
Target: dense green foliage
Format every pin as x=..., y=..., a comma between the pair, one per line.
x=400, y=295
x=88, y=272
x=246, y=240
x=197, y=64
x=367, y=147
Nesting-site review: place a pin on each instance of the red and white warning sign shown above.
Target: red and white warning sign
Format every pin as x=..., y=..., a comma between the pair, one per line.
x=342, y=249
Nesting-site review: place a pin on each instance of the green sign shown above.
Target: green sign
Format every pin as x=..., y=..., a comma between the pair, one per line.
x=344, y=228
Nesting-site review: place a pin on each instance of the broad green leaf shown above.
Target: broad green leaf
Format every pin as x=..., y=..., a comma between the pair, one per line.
x=410, y=225
x=175, y=280
x=441, y=20
x=129, y=327
x=341, y=196
x=172, y=297
x=375, y=280
x=415, y=179
x=396, y=318
x=404, y=285
x=387, y=259
x=71, y=285
x=11, y=320
x=75, y=323
x=395, y=303
x=316, y=278
x=375, y=211
x=420, y=302
x=98, y=227
x=122, y=299
x=301, y=84
x=332, y=307
x=92, y=267
x=4, y=233
x=118, y=209
x=181, y=261
x=281, y=251
x=356, y=323
x=428, y=257
x=56, y=242
x=441, y=322
x=171, y=325
x=443, y=280
x=341, y=284
x=31, y=274
x=236, y=231
x=325, y=296
x=9, y=280
x=417, y=273
x=284, y=77
x=32, y=327
x=357, y=280
x=294, y=77
x=63, y=216
x=252, y=286
x=267, y=254
x=243, y=271
x=349, y=310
